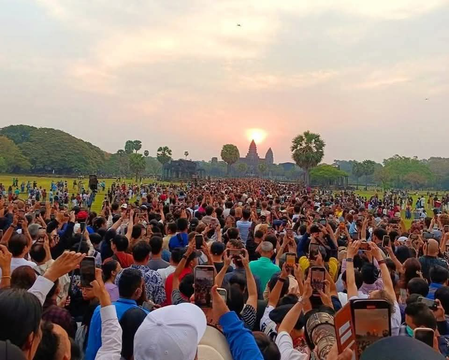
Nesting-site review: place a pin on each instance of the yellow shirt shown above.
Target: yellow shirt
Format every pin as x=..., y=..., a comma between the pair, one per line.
x=304, y=263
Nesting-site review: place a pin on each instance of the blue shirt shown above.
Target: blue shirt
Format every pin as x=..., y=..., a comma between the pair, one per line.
x=94, y=339
x=433, y=287
x=244, y=226
x=179, y=240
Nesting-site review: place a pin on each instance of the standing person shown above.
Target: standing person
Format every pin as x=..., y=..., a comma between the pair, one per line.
x=119, y=245
x=244, y=225
x=430, y=258
x=264, y=267
x=156, y=262
x=18, y=246
x=111, y=269
x=181, y=239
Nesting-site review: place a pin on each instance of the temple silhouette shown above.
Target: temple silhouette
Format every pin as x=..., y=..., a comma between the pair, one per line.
x=252, y=159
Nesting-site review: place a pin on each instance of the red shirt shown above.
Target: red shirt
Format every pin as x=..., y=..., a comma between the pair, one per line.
x=125, y=260
x=169, y=284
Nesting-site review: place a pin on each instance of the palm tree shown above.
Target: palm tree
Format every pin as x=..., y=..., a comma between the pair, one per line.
x=129, y=147
x=163, y=154
x=137, y=164
x=146, y=153
x=307, y=152
x=230, y=154
x=186, y=154
x=137, y=145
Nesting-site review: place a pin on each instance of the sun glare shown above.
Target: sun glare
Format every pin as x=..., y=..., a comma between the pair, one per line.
x=258, y=135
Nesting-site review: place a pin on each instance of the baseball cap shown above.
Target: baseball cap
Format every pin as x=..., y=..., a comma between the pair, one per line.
x=124, y=206
x=402, y=238
x=170, y=333
x=82, y=215
x=400, y=347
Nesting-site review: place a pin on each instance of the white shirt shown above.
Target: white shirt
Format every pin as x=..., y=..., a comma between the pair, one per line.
x=165, y=273
x=111, y=335
x=285, y=345
x=16, y=262
x=267, y=325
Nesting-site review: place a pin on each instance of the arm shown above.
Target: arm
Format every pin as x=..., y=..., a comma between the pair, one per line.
x=111, y=331
x=8, y=233
x=220, y=276
x=353, y=248
x=129, y=231
x=331, y=235
x=443, y=242
x=5, y=266
x=275, y=294
x=388, y=284
x=393, y=257
x=250, y=282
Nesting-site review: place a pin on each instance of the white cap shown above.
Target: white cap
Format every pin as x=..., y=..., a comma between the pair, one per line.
x=170, y=333
x=213, y=346
x=403, y=238
x=124, y=206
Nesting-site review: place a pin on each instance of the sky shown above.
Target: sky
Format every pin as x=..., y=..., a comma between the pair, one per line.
x=370, y=76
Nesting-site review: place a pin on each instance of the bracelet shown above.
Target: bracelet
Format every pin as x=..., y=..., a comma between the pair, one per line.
x=6, y=277
x=380, y=262
x=349, y=260
x=282, y=280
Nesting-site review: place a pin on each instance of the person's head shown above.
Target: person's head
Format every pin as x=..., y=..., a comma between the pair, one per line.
x=217, y=249
x=141, y=252
x=383, y=295
x=403, y=253
x=156, y=245
x=418, y=286
x=119, y=243
x=99, y=223
x=246, y=214
x=233, y=233
x=176, y=255
x=431, y=248
x=442, y=294
x=272, y=283
x=130, y=322
x=136, y=232
x=23, y=277
x=110, y=270
x=182, y=224
x=20, y=318
x=55, y=343
x=209, y=210
x=95, y=239
x=18, y=245
x=439, y=275
x=378, y=235
x=229, y=222
x=266, y=249
x=358, y=279
x=369, y=273
x=412, y=268
x=171, y=228
x=130, y=284
x=418, y=314
x=33, y=229
x=236, y=293
x=186, y=286
x=267, y=347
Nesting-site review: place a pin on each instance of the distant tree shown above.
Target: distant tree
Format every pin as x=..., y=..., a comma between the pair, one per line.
x=146, y=153
x=186, y=154
x=230, y=154
x=129, y=147
x=164, y=154
x=14, y=160
x=137, y=164
x=242, y=168
x=3, y=166
x=368, y=170
x=358, y=170
x=307, y=152
x=137, y=144
x=263, y=168
x=325, y=174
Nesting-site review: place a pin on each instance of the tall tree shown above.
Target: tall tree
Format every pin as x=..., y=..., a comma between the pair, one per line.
x=129, y=147
x=164, y=154
x=368, y=170
x=230, y=154
x=146, y=153
x=307, y=152
x=186, y=154
x=358, y=170
x=137, y=145
x=137, y=164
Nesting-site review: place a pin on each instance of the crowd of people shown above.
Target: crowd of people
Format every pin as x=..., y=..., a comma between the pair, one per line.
x=262, y=238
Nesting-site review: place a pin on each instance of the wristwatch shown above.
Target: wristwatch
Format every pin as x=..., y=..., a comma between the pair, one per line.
x=349, y=260
x=281, y=279
x=300, y=299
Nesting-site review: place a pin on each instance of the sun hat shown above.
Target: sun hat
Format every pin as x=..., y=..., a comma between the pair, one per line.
x=213, y=346
x=170, y=333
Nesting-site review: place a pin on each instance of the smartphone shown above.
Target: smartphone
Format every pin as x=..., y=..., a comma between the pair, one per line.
x=290, y=259
x=204, y=280
x=425, y=335
x=323, y=221
x=354, y=236
x=432, y=305
x=371, y=321
x=403, y=295
x=234, y=252
x=82, y=227
x=199, y=241
x=386, y=241
x=364, y=246
x=317, y=279
x=223, y=293
x=87, y=271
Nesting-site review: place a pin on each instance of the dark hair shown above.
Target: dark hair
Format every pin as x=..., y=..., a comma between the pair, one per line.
x=141, y=251
x=442, y=294
x=421, y=315
x=130, y=322
x=236, y=295
x=20, y=315
x=177, y=254
x=130, y=280
x=403, y=253
x=438, y=274
x=217, y=248
x=369, y=273
x=418, y=286
x=274, y=280
x=95, y=238
x=121, y=242
x=23, y=277
x=17, y=244
x=186, y=285
x=182, y=224
x=108, y=268
x=267, y=347
x=358, y=278
x=37, y=252
x=137, y=231
x=156, y=244
x=49, y=344
x=114, y=206
x=209, y=210
x=233, y=233
x=172, y=227
x=379, y=233
x=246, y=213
x=98, y=222
x=259, y=234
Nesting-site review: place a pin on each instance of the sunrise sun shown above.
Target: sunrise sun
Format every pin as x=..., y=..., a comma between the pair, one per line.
x=258, y=135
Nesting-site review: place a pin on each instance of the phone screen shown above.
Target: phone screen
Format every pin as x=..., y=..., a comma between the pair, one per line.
x=87, y=271
x=424, y=335
x=317, y=279
x=290, y=259
x=234, y=252
x=386, y=241
x=204, y=280
x=198, y=241
x=364, y=246
x=370, y=325
x=223, y=294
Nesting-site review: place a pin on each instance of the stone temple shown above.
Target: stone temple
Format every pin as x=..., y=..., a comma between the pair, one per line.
x=252, y=159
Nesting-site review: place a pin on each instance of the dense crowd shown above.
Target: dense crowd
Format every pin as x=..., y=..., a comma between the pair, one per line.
x=229, y=269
